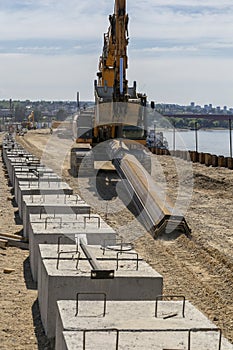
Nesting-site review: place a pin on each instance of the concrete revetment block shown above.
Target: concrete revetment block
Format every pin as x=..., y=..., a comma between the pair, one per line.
x=63, y=283
x=53, y=204
x=41, y=188
x=139, y=327
x=35, y=168
x=44, y=229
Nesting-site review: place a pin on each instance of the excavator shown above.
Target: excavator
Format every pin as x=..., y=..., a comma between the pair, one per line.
x=29, y=123
x=120, y=111
x=119, y=122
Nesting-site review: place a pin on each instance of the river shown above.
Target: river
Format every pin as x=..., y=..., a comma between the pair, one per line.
x=209, y=141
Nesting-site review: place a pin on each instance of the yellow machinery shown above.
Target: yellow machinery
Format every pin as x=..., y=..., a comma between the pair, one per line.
x=113, y=62
x=119, y=117
x=30, y=122
x=125, y=118
x=119, y=110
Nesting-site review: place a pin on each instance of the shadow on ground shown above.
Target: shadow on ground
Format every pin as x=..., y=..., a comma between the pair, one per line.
x=13, y=202
x=30, y=284
x=43, y=342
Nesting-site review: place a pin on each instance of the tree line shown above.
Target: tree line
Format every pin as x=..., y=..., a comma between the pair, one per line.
x=189, y=123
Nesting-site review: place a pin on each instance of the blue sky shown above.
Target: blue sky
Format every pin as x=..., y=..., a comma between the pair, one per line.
x=179, y=51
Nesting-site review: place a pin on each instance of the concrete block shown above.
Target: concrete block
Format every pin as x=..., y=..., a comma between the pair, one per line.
x=47, y=230
x=17, y=161
x=33, y=176
x=138, y=327
x=37, y=168
x=53, y=204
x=42, y=188
x=66, y=281
x=50, y=177
x=15, y=152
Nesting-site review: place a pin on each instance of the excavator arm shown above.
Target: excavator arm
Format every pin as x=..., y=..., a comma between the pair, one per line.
x=112, y=85
x=114, y=60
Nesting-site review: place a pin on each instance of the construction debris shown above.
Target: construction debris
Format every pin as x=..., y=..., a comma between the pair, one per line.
x=3, y=243
x=8, y=270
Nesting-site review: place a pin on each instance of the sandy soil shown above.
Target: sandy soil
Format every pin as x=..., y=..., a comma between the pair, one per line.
x=20, y=324
x=199, y=267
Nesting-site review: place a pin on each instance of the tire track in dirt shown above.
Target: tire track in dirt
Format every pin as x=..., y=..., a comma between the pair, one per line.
x=189, y=270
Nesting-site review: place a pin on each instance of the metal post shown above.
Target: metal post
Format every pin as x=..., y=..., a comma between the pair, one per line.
x=78, y=102
x=154, y=133
x=174, y=136
x=196, y=139
x=230, y=129
x=106, y=213
x=121, y=75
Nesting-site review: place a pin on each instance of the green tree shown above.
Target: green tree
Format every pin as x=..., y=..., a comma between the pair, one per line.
x=37, y=115
x=20, y=113
x=61, y=114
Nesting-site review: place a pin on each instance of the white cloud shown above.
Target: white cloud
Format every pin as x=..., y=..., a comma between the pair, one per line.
x=170, y=49
x=38, y=49
x=178, y=51
x=180, y=20
x=52, y=19
x=179, y=80
x=46, y=77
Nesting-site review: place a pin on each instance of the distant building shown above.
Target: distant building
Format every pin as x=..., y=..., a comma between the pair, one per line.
x=5, y=112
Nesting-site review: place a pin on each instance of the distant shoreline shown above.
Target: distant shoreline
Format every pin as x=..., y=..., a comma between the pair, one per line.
x=186, y=130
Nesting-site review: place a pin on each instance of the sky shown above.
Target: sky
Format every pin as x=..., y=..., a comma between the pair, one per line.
x=179, y=51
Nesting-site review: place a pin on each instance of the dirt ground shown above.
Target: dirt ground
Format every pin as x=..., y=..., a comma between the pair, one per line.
x=20, y=324
x=199, y=267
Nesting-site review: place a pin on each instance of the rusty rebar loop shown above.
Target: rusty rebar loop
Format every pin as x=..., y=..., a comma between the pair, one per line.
x=118, y=331
x=161, y=297
x=121, y=247
x=105, y=246
x=89, y=217
x=192, y=330
x=91, y=293
x=64, y=236
x=128, y=253
x=51, y=218
x=73, y=257
x=101, y=330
